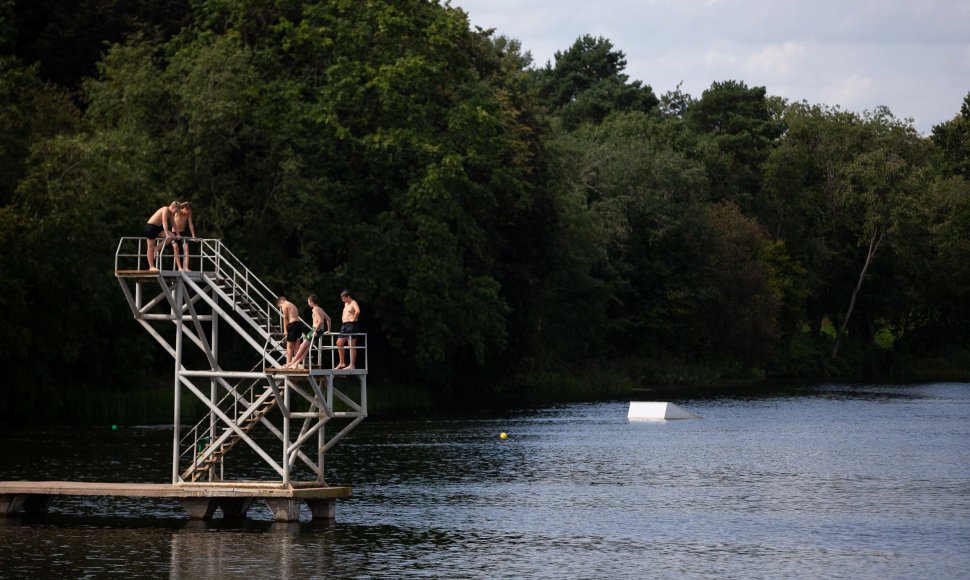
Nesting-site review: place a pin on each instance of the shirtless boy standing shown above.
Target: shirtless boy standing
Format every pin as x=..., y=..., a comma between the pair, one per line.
x=291, y=324
x=183, y=228
x=320, y=317
x=348, y=328
x=160, y=222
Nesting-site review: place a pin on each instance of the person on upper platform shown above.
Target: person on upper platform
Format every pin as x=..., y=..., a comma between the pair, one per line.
x=349, y=328
x=183, y=228
x=160, y=223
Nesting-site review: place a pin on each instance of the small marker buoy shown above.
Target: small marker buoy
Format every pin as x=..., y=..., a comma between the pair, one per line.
x=503, y=435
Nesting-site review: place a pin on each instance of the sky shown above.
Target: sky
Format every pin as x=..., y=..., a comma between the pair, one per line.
x=912, y=56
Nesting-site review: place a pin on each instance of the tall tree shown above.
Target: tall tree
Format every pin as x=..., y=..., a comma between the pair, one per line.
x=742, y=124
x=67, y=39
x=587, y=83
x=380, y=146
x=952, y=140
x=836, y=187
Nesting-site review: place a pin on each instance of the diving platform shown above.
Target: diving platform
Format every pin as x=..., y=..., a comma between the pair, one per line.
x=200, y=501
x=307, y=410
x=234, y=393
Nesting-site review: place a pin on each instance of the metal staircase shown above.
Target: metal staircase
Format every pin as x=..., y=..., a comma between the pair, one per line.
x=221, y=293
x=209, y=453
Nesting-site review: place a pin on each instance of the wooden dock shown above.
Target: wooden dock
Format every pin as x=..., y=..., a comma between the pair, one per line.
x=200, y=500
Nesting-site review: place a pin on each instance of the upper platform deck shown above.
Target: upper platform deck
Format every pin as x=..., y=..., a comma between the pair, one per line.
x=211, y=267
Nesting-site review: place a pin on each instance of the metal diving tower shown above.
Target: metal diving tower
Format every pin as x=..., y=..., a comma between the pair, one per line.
x=289, y=418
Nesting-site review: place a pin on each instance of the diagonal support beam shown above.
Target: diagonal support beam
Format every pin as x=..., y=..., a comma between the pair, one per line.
x=243, y=436
x=225, y=316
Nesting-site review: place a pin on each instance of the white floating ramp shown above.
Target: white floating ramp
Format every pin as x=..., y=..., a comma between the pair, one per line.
x=654, y=410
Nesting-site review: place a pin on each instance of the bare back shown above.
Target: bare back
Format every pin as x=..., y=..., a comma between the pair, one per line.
x=290, y=313
x=162, y=217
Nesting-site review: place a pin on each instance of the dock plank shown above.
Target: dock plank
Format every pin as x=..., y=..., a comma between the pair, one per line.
x=185, y=490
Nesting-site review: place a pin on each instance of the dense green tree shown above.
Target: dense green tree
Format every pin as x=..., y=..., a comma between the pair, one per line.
x=67, y=39
x=742, y=124
x=836, y=187
x=670, y=276
x=952, y=140
x=379, y=146
x=386, y=147
x=587, y=83
x=929, y=303
x=31, y=112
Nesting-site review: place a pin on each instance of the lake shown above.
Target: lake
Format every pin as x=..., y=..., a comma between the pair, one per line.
x=827, y=481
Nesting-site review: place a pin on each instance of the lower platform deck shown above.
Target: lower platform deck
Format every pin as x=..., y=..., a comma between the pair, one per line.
x=200, y=500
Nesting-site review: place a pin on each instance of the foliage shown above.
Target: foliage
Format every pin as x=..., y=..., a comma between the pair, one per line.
x=587, y=83
x=503, y=226
x=741, y=125
x=952, y=140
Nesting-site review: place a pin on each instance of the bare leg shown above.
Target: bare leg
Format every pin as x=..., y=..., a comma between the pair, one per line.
x=353, y=353
x=150, y=255
x=159, y=250
x=178, y=261
x=185, y=257
x=290, y=351
x=300, y=353
x=340, y=352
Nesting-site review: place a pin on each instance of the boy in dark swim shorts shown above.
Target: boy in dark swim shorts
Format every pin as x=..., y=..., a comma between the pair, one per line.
x=159, y=223
x=292, y=324
x=348, y=328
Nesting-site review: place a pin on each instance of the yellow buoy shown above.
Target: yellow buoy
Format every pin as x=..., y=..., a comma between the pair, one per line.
x=503, y=435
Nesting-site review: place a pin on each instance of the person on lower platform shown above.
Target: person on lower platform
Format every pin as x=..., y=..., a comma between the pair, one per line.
x=349, y=328
x=291, y=326
x=160, y=223
x=183, y=228
x=320, y=319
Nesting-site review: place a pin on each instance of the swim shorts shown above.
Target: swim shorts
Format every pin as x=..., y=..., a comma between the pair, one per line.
x=152, y=231
x=347, y=329
x=293, y=331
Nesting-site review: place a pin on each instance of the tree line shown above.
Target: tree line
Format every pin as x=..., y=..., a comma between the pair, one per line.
x=501, y=222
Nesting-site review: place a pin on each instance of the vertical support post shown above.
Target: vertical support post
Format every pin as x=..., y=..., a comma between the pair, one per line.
x=321, y=441
x=286, y=431
x=321, y=434
x=179, y=322
x=213, y=382
x=323, y=509
x=363, y=394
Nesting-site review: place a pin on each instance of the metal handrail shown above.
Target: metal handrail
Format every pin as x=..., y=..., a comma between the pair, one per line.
x=233, y=392
x=316, y=351
x=210, y=255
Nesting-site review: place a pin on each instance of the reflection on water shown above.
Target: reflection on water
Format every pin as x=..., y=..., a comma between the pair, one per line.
x=834, y=481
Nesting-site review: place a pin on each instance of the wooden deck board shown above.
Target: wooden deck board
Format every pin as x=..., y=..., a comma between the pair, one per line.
x=270, y=371
x=315, y=372
x=186, y=490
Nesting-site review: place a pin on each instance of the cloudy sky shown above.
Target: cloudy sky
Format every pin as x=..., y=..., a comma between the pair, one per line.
x=910, y=55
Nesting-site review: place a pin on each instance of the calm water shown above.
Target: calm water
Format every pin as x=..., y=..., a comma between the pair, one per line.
x=831, y=481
